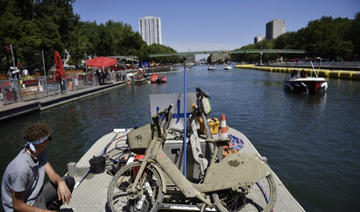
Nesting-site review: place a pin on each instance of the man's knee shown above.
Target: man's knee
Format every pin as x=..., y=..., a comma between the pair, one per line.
x=70, y=182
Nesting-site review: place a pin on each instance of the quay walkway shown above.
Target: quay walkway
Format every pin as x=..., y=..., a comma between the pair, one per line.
x=44, y=93
x=19, y=108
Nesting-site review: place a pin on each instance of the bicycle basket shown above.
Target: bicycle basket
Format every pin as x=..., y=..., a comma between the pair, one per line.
x=139, y=139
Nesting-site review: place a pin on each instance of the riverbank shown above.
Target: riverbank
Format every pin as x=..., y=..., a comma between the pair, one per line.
x=42, y=100
x=328, y=73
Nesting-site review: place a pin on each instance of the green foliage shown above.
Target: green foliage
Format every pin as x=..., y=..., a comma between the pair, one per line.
x=32, y=26
x=333, y=39
x=354, y=35
x=157, y=48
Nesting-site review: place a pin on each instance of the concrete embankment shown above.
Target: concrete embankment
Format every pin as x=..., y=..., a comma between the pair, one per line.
x=337, y=74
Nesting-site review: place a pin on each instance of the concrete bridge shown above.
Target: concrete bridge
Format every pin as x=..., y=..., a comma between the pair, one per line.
x=241, y=51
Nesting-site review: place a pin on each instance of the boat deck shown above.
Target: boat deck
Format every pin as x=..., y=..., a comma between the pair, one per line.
x=91, y=194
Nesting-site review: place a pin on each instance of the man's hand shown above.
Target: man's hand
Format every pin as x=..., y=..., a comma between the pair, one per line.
x=63, y=192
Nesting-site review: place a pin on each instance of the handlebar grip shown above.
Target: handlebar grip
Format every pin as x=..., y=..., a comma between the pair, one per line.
x=169, y=108
x=201, y=93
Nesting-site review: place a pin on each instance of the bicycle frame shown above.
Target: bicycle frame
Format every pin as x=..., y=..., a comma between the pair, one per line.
x=235, y=172
x=219, y=176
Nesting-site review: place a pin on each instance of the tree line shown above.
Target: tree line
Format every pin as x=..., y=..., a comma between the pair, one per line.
x=333, y=39
x=36, y=26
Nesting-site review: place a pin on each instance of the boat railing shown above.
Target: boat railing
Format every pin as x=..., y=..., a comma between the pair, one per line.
x=315, y=72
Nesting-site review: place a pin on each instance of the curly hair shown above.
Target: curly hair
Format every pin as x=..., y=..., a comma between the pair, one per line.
x=36, y=132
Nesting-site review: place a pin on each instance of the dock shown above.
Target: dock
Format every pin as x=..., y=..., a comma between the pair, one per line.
x=20, y=108
x=91, y=194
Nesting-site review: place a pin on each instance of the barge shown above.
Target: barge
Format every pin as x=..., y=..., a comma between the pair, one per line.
x=91, y=192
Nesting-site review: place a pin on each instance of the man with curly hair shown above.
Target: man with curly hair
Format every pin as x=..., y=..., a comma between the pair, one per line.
x=23, y=180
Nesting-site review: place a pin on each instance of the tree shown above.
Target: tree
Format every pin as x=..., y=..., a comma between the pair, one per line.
x=333, y=39
x=354, y=33
x=158, y=48
x=32, y=26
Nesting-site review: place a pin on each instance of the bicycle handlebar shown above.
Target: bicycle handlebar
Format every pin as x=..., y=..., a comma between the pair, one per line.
x=158, y=120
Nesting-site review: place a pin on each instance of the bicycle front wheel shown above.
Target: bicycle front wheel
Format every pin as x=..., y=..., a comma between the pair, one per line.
x=148, y=198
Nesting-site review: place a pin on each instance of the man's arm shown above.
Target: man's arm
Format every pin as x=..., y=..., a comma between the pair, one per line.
x=63, y=191
x=20, y=205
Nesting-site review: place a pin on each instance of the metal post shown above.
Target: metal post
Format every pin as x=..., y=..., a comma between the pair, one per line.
x=86, y=72
x=42, y=53
x=184, y=145
x=12, y=55
x=85, y=64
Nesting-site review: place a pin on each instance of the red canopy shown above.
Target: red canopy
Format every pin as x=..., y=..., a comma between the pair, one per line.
x=101, y=62
x=59, y=66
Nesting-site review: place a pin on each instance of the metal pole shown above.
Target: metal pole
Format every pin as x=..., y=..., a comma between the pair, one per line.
x=184, y=145
x=85, y=64
x=42, y=53
x=12, y=55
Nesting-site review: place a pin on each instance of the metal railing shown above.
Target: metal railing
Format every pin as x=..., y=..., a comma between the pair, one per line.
x=14, y=90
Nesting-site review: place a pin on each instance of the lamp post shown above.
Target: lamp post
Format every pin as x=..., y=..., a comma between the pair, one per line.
x=42, y=53
x=85, y=62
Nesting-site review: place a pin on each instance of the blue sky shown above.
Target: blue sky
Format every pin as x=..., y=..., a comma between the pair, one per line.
x=200, y=25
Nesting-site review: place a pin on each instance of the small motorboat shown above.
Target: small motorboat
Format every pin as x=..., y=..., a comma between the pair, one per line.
x=158, y=79
x=227, y=67
x=299, y=82
x=211, y=68
x=307, y=85
x=140, y=79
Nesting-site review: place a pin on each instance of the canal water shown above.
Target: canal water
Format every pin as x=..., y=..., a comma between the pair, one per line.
x=311, y=142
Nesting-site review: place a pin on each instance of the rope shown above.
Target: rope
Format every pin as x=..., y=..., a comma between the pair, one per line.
x=264, y=193
x=235, y=142
x=112, y=141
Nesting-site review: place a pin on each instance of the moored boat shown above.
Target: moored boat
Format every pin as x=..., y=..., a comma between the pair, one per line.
x=227, y=67
x=140, y=79
x=211, y=68
x=158, y=78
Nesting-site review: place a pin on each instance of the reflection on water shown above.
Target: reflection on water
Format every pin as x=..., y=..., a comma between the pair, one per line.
x=312, y=142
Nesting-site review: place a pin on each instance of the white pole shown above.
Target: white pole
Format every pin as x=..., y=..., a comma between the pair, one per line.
x=42, y=52
x=12, y=55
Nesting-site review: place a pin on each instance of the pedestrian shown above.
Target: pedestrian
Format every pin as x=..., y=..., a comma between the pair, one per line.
x=22, y=186
x=99, y=74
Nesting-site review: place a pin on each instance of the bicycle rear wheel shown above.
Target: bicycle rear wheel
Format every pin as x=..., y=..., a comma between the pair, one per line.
x=149, y=198
x=257, y=200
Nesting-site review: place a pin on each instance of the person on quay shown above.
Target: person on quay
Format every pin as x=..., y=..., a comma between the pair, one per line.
x=22, y=186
